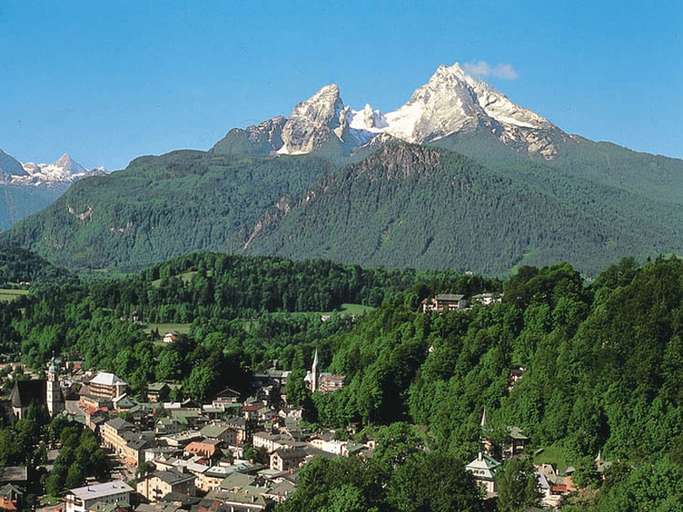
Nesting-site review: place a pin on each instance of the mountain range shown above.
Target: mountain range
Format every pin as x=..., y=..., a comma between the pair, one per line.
x=459, y=176
x=26, y=188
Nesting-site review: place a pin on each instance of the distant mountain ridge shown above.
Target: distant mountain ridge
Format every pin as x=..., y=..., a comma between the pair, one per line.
x=458, y=177
x=26, y=188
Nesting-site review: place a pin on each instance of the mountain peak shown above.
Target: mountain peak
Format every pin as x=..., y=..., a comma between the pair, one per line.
x=313, y=121
x=68, y=165
x=10, y=166
x=450, y=102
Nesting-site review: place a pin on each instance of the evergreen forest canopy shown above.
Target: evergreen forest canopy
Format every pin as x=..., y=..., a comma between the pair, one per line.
x=603, y=360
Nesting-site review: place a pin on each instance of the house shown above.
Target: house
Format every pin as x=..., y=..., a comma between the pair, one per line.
x=212, y=477
x=221, y=431
x=227, y=396
x=284, y=459
x=94, y=420
x=170, y=337
x=280, y=491
x=487, y=298
x=327, y=443
x=106, y=385
x=236, y=481
x=484, y=469
x=84, y=498
x=157, y=391
x=271, y=442
x=160, y=484
x=246, y=499
x=26, y=393
x=330, y=382
x=15, y=475
x=515, y=376
x=206, y=448
x=444, y=302
x=11, y=494
x=515, y=442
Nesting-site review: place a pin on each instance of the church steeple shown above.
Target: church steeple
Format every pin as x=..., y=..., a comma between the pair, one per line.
x=315, y=375
x=55, y=401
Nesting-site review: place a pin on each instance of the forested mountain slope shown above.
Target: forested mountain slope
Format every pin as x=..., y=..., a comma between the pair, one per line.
x=161, y=207
x=388, y=203
x=411, y=205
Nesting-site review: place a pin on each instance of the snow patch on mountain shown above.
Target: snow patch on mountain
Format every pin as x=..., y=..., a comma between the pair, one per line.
x=450, y=102
x=64, y=170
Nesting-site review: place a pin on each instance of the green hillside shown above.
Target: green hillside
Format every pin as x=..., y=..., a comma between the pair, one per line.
x=413, y=206
x=490, y=210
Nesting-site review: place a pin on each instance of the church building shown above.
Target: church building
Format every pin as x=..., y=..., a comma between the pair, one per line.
x=322, y=382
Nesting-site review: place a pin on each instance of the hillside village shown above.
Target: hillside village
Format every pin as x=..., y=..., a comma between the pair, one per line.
x=230, y=453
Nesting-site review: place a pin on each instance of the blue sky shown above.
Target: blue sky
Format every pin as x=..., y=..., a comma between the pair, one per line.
x=109, y=82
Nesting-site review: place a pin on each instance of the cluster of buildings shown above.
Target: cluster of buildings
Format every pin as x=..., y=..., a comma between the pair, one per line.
x=444, y=302
x=553, y=484
x=231, y=453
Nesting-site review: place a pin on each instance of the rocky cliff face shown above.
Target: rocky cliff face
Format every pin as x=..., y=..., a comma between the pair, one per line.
x=451, y=102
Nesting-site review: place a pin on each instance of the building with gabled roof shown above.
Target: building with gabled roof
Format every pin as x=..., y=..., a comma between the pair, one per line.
x=484, y=469
x=26, y=393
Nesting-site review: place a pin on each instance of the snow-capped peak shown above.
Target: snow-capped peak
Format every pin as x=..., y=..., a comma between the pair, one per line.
x=64, y=170
x=312, y=120
x=368, y=119
x=450, y=102
x=68, y=165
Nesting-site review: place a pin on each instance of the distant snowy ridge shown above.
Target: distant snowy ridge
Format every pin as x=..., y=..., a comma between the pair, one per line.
x=450, y=102
x=63, y=170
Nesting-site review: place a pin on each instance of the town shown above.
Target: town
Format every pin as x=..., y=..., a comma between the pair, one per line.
x=232, y=452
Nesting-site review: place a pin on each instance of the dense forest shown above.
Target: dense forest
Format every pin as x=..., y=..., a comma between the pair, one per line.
x=603, y=363
x=235, y=306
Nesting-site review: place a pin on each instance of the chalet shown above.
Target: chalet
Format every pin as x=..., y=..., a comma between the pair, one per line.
x=515, y=442
x=170, y=337
x=227, y=396
x=484, y=469
x=444, y=302
x=83, y=499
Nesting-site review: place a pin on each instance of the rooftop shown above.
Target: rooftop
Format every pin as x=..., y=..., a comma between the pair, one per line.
x=107, y=379
x=101, y=490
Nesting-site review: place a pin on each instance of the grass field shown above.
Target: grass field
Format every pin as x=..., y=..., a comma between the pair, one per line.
x=10, y=294
x=164, y=328
x=185, y=276
x=555, y=455
x=343, y=310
